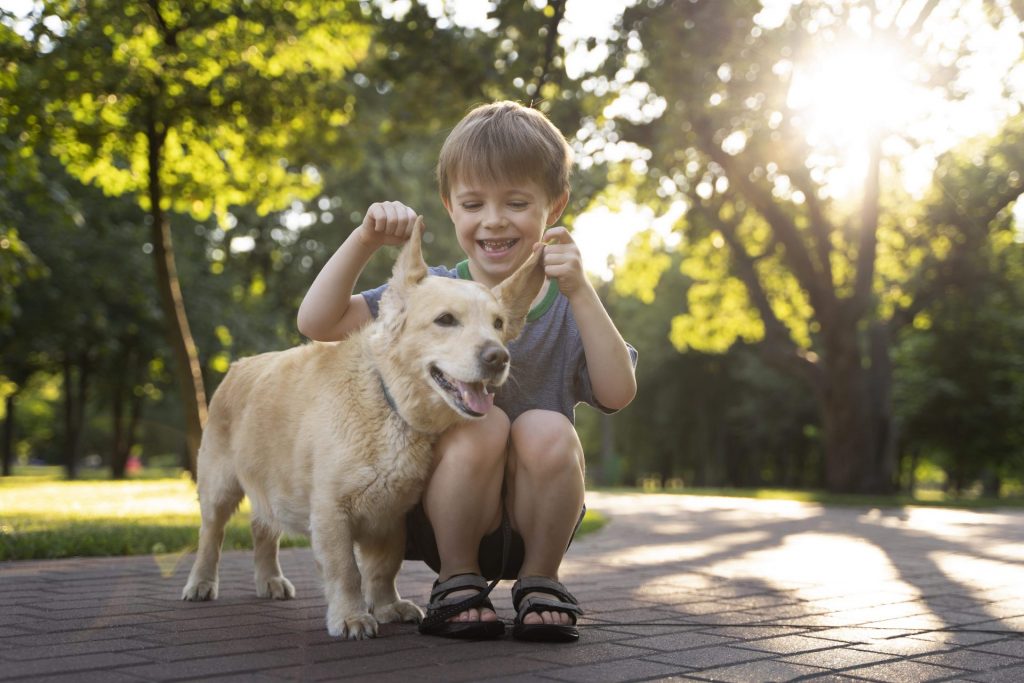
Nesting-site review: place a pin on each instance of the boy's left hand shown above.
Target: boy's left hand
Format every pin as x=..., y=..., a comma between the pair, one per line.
x=563, y=262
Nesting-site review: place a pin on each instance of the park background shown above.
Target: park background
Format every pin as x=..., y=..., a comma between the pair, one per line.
x=803, y=213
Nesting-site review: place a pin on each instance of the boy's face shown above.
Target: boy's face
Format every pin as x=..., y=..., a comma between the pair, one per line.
x=497, y=224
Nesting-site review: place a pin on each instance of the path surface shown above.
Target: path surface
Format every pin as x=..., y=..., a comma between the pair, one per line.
x=674, y=587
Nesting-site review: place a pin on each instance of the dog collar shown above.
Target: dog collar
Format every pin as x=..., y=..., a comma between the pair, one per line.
x=388, y=397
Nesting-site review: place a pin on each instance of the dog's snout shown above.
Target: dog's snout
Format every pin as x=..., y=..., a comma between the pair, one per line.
x=493, y=358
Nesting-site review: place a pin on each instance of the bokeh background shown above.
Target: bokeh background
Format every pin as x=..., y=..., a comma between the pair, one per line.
x=803, y=213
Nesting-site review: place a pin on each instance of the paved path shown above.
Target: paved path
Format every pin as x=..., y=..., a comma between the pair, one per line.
x=675, y=587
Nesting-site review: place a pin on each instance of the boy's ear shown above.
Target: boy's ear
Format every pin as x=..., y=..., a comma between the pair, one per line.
x=517, y=292
x=410, y=268
x=557, y=207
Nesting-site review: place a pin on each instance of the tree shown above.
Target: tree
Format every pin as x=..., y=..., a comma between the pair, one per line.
x=191, y=108
x=821, y=282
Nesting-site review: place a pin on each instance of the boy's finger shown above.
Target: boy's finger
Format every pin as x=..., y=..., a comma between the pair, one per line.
x=557, y=235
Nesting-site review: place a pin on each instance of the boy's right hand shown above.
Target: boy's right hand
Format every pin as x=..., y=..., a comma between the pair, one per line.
x=386, y=223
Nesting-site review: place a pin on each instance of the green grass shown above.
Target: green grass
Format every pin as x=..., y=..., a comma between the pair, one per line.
x=43, y=517
x=925, y=498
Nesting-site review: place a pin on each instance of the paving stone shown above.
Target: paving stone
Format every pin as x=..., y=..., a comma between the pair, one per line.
x=838, y=658
x=974, y=661
x=47, y=667
x=905, y=670
x=615, y=672
x=675, y=588
x=709, y=657
x=770, y=670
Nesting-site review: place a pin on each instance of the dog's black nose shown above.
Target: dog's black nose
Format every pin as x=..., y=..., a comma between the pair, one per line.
x=493, y=357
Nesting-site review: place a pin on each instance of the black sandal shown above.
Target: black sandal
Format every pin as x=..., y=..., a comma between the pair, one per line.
x=562, y=601
x=442, y=608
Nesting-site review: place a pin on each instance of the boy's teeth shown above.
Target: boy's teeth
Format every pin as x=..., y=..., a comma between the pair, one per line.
x=497, y=245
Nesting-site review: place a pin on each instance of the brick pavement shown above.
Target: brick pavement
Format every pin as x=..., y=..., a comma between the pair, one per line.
x=680, y=587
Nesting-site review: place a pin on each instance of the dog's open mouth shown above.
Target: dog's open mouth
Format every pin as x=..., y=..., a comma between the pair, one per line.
x=472, y=398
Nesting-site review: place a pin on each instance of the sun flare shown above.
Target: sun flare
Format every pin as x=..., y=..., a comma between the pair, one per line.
x=849, y=95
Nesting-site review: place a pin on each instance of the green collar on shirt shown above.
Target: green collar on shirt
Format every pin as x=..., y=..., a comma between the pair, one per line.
x=462, y=270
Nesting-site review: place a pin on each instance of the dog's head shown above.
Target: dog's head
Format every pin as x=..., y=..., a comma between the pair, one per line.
x=442, y=341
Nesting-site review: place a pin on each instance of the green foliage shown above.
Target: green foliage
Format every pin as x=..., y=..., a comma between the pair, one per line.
x=233, y=89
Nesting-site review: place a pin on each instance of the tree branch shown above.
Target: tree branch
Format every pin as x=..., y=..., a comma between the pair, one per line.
x=778, y=344
x=867, y=250
x=822, y=298
x=549, y=44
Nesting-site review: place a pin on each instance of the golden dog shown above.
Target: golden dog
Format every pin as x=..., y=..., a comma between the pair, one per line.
x=335, y=440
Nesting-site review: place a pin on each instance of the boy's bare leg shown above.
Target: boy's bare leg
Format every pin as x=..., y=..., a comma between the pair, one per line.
x=463, y=497
x=545, y=489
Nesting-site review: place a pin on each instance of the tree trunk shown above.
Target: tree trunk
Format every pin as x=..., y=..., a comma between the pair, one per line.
x=118, y=453
x=882, y=475
x=187, y=368
x=9, y=436
x=846, y=418
x=74, y=413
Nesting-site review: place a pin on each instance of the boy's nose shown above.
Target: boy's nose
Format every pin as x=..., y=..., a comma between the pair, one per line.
x=493, y=219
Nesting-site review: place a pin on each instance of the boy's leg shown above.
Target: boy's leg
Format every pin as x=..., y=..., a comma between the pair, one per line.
x=545, y=488
x=463, y=497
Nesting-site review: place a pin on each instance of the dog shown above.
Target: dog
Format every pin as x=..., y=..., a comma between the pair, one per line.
x=335, y=440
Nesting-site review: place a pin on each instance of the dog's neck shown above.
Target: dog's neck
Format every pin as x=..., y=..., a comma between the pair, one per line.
x=389, y=398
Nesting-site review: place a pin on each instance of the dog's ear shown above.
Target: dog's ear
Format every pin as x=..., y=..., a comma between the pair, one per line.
x=410, y=268
x=519, y=290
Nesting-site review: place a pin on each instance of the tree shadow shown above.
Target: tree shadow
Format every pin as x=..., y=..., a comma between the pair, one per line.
x=930, y=574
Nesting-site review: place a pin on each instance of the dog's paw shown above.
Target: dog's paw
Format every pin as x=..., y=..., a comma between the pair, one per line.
x=199, y=590
x=275, y=587
x=358, y=626
x=400, y=610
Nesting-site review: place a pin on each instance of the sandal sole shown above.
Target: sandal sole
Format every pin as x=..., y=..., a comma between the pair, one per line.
x=545, y=633
x=474, y=630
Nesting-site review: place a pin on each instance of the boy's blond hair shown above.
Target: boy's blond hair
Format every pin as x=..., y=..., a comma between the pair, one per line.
x=505, y=142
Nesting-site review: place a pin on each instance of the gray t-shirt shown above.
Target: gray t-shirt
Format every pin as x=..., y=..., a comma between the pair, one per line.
x=548, y=366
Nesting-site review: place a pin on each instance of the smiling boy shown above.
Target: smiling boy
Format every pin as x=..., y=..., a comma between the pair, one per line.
x=503, y=176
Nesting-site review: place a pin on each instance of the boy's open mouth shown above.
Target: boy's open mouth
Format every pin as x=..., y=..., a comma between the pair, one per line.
x=496, y=246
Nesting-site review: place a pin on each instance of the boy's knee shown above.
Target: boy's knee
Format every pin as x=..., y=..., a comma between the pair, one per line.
x=545, y=442
x=483, y=441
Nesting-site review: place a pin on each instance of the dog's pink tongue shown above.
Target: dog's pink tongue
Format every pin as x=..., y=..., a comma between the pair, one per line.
x=475, y=398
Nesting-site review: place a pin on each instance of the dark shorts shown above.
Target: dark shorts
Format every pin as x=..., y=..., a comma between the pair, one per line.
x=421, y=545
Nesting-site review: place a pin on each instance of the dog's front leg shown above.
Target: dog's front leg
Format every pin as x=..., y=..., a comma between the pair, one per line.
x=382, y=558
x=333, y=546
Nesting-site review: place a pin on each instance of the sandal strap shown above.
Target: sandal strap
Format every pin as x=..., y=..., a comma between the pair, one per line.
x=542, y=584
x=542, y=604
x=460, y=582
x=442, y=589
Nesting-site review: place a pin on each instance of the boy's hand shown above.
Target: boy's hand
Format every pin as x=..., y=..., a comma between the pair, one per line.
x=386, y=223
x=563, y=262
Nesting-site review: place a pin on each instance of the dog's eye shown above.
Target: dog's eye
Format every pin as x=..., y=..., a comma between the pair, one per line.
x=446, y=320
x=499, y=324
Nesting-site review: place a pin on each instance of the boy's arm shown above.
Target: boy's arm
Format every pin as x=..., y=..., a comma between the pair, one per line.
x=329, y=311
x=608, y=361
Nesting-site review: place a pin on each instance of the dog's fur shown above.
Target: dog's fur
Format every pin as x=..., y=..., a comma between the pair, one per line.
x=309, y=436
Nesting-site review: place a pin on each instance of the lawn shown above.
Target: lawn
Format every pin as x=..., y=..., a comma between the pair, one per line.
x=43, y=517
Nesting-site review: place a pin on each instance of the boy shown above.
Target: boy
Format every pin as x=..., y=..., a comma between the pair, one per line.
x=503, y=176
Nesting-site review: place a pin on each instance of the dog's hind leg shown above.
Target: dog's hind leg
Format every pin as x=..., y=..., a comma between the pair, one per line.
x=270, y=580
x=219, y=496
x=382, y=558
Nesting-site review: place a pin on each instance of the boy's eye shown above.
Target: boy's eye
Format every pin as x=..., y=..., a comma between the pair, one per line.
x=446, y=320
x=499, y=324
x=471, y=206
x=518, y=205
